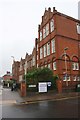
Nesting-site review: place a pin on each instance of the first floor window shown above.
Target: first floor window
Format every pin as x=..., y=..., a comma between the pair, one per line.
x=53, y=45
x=45, y=50
x=48, y=48
x=44, y=32
x=75, y=66
x=54, y=65
x=41, y=53
x=49, y=66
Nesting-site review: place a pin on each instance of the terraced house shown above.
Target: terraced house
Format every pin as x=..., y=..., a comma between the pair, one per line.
x=58, y=47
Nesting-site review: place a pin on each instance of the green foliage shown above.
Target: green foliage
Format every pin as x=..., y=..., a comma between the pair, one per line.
x=41, y=75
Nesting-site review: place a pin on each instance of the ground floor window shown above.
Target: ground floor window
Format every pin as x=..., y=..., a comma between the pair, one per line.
x=66, y=78
x=78, y=78
x=74, y=78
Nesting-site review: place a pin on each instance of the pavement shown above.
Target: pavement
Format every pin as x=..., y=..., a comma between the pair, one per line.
x=54, y=96
x=31, y=97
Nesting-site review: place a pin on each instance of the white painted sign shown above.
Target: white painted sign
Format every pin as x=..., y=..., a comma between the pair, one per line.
x=42, y=87
x=32, y=86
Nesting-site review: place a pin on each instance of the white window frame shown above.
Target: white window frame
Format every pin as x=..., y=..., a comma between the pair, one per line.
x=48, y=48
x=54, y=66
x=51, y=25
x=44, y=32
x=78, y=78
x=37, y=56
x=49, y=66
x=75, y=66
x=37, y=65
x=53, y=45
x=20, y=78
x=66, y=78
x=41, y=53
x=45, y=65
x=33, y=60
x=47, y=29
x=45, y=50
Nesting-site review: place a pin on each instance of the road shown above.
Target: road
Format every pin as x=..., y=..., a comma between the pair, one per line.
x=46, y=109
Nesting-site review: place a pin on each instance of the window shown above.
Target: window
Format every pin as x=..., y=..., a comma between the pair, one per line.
x=49, y=66
x=45, y=65
x=78, y=78
x=54, y=65
x=44, y=32
x=41, y=53
x=40, y=35
x=75, y=66
x=41, y=67
x=74, y=78
x=66, y=78
x=52, y=25
x=78, y=28
x=37, y=65
x=45, y=50
x=47, y=29
x=20, y=78
x=53, y=45
x=20, y=67
x=48, y=48
x=33, y=60
x=37, y=57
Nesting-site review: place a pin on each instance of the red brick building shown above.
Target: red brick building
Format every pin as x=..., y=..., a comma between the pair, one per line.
x=7, y=76
x=58, y=46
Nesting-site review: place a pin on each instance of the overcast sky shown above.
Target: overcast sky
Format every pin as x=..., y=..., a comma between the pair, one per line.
x=19, y=21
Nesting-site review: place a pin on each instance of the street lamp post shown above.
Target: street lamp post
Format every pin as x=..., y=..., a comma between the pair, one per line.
x=66, y=65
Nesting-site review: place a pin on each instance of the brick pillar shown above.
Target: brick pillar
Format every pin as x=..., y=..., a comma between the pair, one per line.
x=59, y=86
x=23, y=89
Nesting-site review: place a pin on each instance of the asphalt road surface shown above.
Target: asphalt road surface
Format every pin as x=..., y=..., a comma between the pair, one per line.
x=68, y=108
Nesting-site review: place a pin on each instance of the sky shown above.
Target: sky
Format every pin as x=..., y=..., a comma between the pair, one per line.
x=19, y=20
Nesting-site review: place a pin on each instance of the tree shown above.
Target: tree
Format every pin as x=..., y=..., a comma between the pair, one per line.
x=41, y=75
